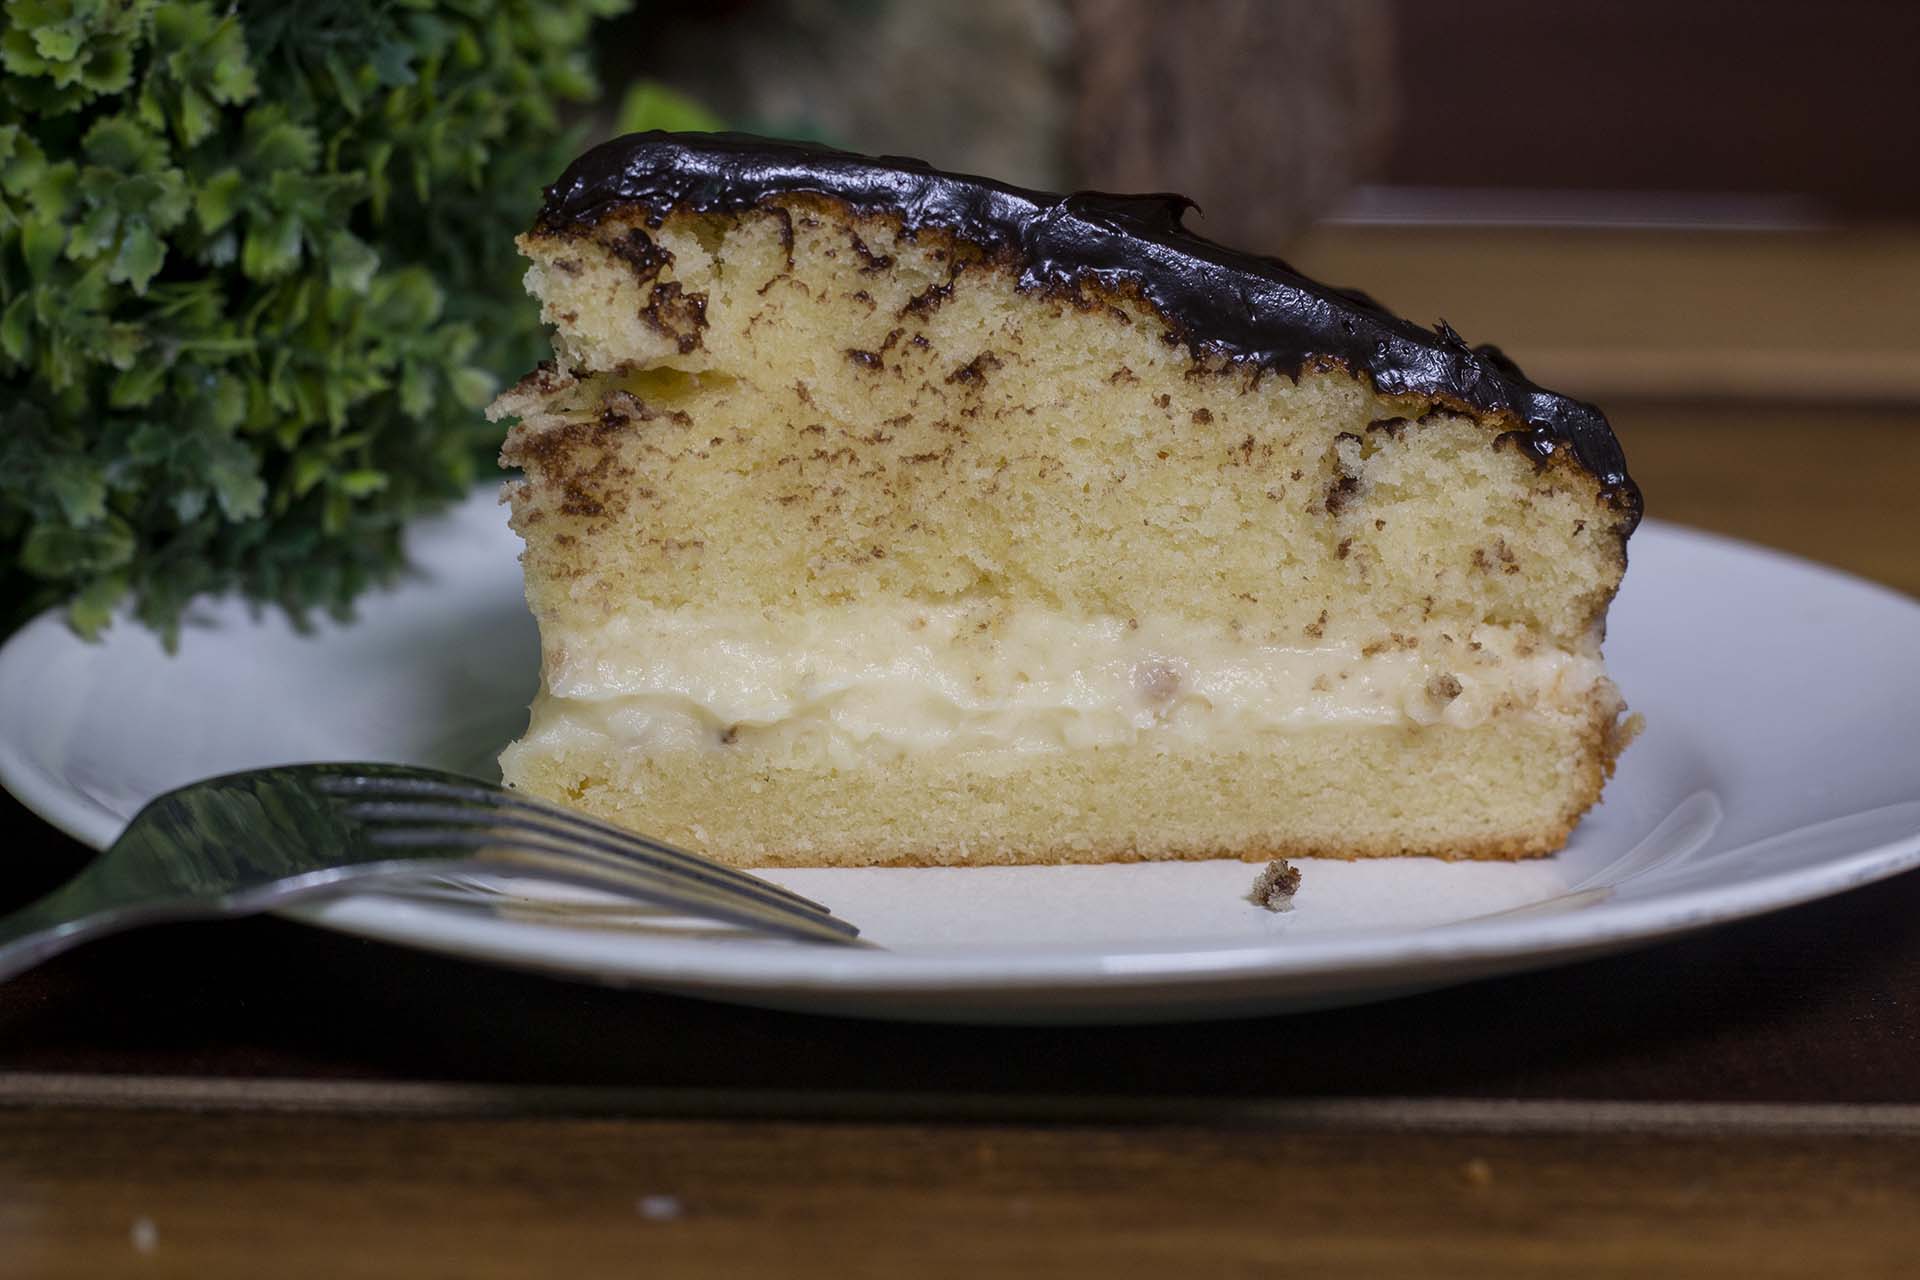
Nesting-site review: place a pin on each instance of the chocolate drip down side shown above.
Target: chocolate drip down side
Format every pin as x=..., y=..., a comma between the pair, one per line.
x=1239, y=306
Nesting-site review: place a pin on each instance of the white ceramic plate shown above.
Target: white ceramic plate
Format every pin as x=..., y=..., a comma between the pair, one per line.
x=1781, y=763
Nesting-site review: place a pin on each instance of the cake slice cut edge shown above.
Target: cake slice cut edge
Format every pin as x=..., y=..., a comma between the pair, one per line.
x=880, y=516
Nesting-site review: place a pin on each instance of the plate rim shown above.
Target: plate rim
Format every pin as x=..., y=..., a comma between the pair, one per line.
x=738, y=966
x=985, y=967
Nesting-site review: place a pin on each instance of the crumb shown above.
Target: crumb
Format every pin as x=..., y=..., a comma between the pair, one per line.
x=1274, y=887
x=1477, y=1172
x=1625, y=732
x=146, y=1236
x=660, y=1208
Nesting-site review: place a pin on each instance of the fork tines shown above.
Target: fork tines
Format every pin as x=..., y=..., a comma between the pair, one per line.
x=404, y=808
x=567, y=861
x=434, y=799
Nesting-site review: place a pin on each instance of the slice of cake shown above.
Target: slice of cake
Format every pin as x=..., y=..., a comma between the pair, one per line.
x=875, y=514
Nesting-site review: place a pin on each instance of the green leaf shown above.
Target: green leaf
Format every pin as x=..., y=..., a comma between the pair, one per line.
x=378, y=188
x=350, y=262
x=23, y=165
x=274, y=144
x=123, y=144
x=78, y=485
x=336, y=510
x=150, y=443
x=54, y=192
x=474, y=387
x=16, y=331
x=362, y=483
x=56, y=44
x=138, y=385
x=141, y=254
x=236, y=480
x=109, y=70
x=345, y=84
x=119, y=345
x=416, y=389
x=41, y=243
x=201, y=62
x=233, y=79
x=92, y=606
x=272, y=247
x=408, y=301
x=17, y=53
x=218, y=199
x=201, y=49
x=96, y=233
x=310, y=467
x=224, y=401
x=188, y=504
x=195, y=117
x=59, y=551
x=392, y=63
x=649, y=105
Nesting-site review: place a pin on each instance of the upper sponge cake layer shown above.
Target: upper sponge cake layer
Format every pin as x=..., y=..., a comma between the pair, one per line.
x=788, y=377
x=1216, y=300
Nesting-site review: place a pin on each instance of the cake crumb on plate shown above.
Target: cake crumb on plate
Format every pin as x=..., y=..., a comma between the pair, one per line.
x=1274, y=887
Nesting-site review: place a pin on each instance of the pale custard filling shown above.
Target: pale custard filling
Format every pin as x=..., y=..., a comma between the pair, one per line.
x=860, y=683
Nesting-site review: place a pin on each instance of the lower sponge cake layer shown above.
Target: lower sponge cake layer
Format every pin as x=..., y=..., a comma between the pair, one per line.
x=1339, y=791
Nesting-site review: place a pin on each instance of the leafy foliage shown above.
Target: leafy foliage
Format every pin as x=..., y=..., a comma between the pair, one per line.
x=650, y=105
x=256, y=278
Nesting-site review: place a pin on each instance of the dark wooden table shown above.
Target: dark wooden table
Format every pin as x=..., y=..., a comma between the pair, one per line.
x=261, y=1098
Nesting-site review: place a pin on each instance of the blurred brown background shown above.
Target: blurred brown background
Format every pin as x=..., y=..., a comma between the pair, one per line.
x=1704, y=216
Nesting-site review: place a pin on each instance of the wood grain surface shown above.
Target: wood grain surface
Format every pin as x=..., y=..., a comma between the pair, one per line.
x=1811, y=318
x=1832, y=483
x=182, y=1195
x=264, y=1099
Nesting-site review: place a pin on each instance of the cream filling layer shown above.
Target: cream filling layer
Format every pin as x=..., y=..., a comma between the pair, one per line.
x=852, y=684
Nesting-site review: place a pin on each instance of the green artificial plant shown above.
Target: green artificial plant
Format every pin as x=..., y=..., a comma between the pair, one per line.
x=256, y=280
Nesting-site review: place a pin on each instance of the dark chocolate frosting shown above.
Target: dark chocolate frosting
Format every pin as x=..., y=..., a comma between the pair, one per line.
x=1242, y=306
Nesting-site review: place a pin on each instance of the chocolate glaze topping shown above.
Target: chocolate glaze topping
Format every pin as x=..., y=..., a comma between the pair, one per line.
x=1241, y=306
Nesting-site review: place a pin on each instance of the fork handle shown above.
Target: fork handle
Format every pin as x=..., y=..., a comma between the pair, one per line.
x=71, y=915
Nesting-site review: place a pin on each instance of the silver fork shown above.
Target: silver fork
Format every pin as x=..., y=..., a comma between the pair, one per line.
x=253, y=841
